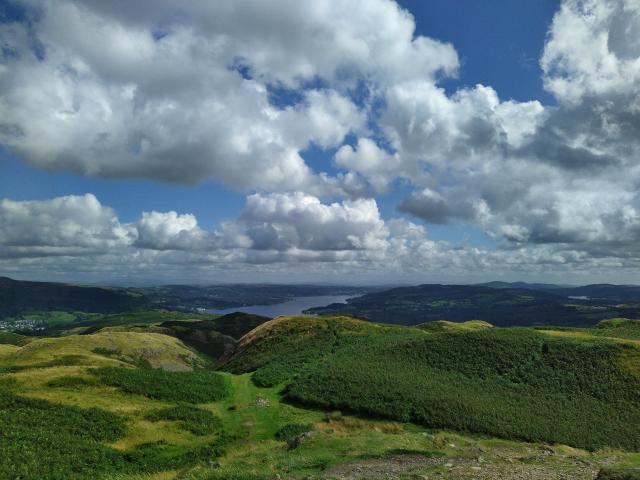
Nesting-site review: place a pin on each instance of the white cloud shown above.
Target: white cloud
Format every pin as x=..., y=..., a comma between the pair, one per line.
x=60, y=226
x=593, y=49
x=154, y=94
x=77, y=238
x=169, y=231
x=300, y=221
x=184, y=92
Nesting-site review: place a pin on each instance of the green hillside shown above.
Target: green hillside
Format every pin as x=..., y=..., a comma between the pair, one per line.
x=320, y=398
x=618, y=327
x=510, y=383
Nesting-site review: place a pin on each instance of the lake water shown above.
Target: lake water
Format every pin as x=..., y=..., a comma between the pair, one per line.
x=294, y=306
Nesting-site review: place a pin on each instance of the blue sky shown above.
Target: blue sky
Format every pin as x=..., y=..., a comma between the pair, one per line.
x=418, y=140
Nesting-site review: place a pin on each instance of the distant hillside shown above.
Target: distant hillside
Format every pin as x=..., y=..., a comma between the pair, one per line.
x=524, y=285
x=17, y=297
x=499, y=306
x=597, y=292
x=238, y=295
x=613, y=293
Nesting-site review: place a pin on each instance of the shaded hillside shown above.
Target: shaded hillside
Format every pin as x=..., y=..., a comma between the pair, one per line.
x=597, y=292
x=214, y=337
x=234, y=324
x=502, y=307
x=510, y=383
x=137, y=318
x=237, y=295
x=19, y=296
x=211, y=334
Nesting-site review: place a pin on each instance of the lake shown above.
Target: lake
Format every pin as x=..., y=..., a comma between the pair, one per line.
x=295, y=306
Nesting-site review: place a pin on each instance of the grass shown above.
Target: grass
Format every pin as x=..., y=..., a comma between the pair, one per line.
x=45, y=440
x=292, y=430
x=250, y=418
x=444, y=326
x=49, y=440
x=123, y=347
x=618, y=327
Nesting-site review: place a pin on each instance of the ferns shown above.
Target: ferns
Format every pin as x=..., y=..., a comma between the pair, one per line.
x=191, y=418
x=513, y=383
x=199, y=386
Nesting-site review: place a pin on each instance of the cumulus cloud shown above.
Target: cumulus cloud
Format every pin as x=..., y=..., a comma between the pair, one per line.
x=301, y=221
x=295, y=234
x=374, y=164
x=294, y=222
x=593, y=49
x=236, y=92
x=561, y=175
x=433, y=207
x=60, y=226
x=181, y=92
x=169, y=231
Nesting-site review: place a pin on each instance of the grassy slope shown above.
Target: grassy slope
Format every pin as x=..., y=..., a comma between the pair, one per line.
x=344, y=446
x=108, y=347
x=445, y=326
x=34, y=373
x=512, y=383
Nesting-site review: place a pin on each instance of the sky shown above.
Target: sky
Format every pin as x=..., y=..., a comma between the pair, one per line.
x=333, y=141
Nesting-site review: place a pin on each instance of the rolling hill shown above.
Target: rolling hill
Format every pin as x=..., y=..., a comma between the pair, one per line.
x=512, y=383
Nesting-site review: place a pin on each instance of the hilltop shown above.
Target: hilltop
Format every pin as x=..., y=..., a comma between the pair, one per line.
x=211, y=335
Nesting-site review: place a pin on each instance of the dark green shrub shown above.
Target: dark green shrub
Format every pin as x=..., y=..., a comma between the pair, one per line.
x=197, y=386
x=619, y=474
x=47, y=441
x=191, y=418
x=107, y=352
x=71, y=382
x=292, y=430
x=513, y=383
